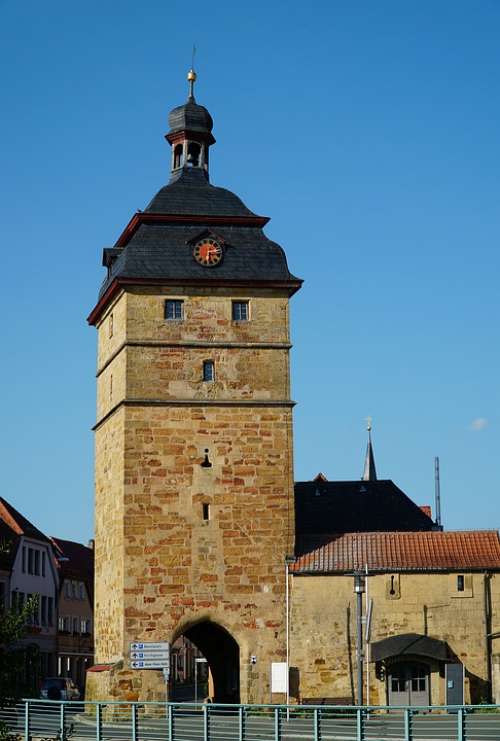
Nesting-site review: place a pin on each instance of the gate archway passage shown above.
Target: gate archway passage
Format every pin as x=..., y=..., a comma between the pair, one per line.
x=223, y=656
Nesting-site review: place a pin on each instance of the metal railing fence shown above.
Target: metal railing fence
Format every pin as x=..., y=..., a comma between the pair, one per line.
x=46, y=720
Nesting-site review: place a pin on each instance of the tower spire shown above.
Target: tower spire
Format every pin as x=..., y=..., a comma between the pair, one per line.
x=369, y=472
x=191, y=76
x=190, y=132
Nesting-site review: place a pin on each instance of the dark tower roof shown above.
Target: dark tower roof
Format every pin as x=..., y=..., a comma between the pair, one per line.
x=190, y=117
x=189, y=192
x=326, y=507
x=157, y=245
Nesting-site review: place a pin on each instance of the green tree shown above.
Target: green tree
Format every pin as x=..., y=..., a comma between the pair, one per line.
x=16, y=661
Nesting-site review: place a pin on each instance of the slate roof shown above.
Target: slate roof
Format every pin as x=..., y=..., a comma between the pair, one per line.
x=403, y=551
x=325, y=507
x=190, y=117
x=189, y=192
x=164, y=251
x=18, y=523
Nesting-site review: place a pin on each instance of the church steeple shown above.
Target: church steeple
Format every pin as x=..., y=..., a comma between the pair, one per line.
x=190, y=133
x=369, y=472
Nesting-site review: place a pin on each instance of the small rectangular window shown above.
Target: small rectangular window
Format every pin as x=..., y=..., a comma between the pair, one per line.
x=174, y=309
x=30, y=560
x=208, y=370
x=240, y=311
x=206, y=511
x=110, y=326
x=24, y=559
x=37, y=563
x=43, y=563
x=460, y=583
x=50, y=610
x=44, y=610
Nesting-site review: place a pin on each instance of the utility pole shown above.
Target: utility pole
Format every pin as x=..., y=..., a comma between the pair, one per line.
x=437, y=491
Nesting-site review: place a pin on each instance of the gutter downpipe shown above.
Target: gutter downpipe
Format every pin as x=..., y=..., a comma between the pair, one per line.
x=367, y=638
x=487, y=632
x=288, y=561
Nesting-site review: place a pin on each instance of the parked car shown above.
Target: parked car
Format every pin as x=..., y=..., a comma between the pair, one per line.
x=59, y=688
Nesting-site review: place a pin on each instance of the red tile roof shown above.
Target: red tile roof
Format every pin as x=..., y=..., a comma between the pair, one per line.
x=17, y=522
x=404, y=551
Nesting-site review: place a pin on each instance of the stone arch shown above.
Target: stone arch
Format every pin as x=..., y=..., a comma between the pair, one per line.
x=222, y=653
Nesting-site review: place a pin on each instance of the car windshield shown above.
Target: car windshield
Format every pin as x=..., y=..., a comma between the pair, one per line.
x=56, y=682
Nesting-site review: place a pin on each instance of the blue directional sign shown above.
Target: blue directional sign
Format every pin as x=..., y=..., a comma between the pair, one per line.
x=153, y=655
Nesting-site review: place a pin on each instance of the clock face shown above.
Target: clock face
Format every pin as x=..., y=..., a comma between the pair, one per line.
x=208, y=252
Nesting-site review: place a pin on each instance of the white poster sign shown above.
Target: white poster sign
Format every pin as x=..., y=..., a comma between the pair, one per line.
x=278, y=676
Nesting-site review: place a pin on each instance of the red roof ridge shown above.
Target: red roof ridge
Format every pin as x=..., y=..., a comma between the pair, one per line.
x=8, y=518
x=427, y=550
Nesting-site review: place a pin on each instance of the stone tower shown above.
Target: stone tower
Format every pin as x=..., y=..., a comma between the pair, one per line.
x=193, y=471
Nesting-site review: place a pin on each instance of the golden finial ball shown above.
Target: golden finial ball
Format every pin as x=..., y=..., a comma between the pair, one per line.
x=191, y=75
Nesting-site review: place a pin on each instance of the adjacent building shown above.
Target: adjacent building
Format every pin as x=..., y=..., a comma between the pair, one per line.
x=430, y=600
x=75, y=646
x=32, y=573
x=58, y=574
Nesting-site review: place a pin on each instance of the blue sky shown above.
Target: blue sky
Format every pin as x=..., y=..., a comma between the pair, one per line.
x=368, y=131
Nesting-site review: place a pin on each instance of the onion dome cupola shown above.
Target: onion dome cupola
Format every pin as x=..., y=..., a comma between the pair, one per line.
x=190, y=133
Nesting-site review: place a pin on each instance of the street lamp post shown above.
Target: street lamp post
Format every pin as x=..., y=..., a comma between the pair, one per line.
x=359, y=588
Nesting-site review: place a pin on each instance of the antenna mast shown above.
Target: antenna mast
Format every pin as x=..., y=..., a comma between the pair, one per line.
x=437, y=491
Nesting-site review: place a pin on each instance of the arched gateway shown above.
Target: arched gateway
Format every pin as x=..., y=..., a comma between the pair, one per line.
x=194, y=482
x=222, y=654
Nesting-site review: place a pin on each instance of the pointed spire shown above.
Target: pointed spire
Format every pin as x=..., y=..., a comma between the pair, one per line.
x=192, y=76
x=370, y=472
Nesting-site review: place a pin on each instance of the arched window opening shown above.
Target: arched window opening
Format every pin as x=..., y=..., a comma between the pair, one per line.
x=177, y=156
x=194, y=151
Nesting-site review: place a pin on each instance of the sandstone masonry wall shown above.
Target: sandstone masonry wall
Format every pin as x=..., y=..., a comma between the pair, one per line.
x=161, y=565
x=323, y=629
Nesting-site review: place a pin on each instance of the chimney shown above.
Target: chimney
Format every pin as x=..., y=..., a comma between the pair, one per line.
x=426, y=509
